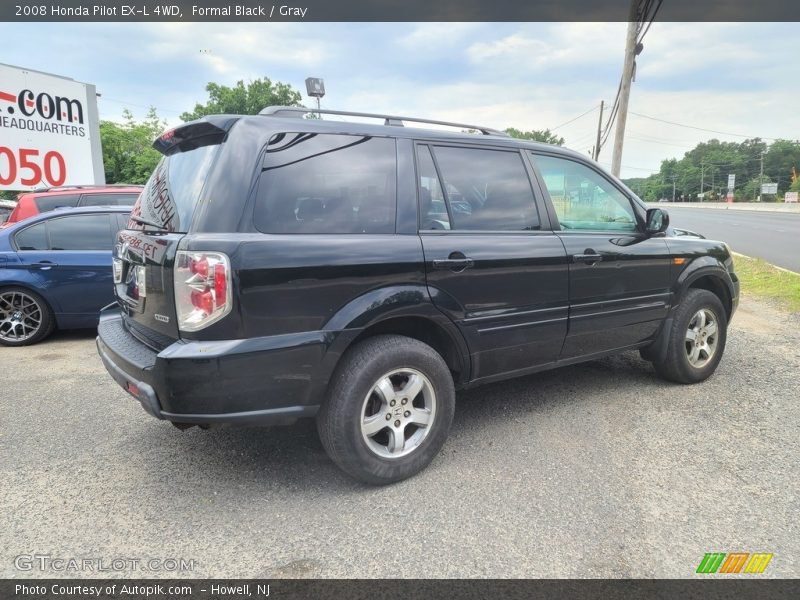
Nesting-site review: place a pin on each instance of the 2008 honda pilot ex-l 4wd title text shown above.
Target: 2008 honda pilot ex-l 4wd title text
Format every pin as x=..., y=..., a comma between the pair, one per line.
x=278, y=267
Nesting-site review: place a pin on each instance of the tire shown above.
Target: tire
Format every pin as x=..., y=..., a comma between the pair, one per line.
x=21, y=308
x=694, y=360
x=370, y=449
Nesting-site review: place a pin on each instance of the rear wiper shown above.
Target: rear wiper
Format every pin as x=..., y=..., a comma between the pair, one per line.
x=146, y=222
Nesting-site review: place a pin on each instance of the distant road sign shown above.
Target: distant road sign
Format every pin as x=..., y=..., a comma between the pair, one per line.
x=769, y=188
x=791, y=197
x=731, y=181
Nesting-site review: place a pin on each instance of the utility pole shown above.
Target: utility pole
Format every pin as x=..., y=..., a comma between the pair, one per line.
x=596, y=153
x=625, y=86
x=702, y=181
x=674, y=177
x=761, y=176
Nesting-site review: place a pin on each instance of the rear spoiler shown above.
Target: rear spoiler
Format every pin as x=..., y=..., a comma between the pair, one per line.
x=204, y=132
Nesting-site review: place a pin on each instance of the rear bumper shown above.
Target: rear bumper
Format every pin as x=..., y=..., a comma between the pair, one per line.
x=235, y=381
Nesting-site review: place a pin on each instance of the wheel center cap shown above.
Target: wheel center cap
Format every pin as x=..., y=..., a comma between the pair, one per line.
x=16, y=316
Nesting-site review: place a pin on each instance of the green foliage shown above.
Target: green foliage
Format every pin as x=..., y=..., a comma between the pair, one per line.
x=128, y=154
x=705, y=169
x=244, y=99
x=795, y=187
x=536, y=135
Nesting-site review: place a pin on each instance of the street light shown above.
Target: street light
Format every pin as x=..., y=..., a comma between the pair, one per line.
x=315, y=87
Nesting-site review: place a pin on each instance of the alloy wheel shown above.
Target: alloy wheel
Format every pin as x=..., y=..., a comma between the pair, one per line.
x=20, y=316
x=701, y=338
x=398, y=413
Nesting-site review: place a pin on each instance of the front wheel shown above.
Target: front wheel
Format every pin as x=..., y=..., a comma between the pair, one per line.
x=696, y=340
x=388, y=410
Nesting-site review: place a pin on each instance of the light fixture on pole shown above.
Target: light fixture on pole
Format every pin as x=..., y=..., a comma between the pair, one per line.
x=315, y=87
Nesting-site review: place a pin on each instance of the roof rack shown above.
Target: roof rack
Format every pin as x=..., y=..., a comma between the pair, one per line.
x=391, y=120
x=59, y=188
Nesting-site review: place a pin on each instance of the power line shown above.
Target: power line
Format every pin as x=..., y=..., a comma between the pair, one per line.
x=701, y=128
x=594, y=108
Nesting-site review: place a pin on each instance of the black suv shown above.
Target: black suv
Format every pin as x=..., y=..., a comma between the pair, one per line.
x=278, y=267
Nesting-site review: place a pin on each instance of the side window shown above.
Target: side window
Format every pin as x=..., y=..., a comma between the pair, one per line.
x=32, y=238
x=46, y=203
x=583, y=198
x=432, y=207
x=487, y=189
x=108, y=199
x=324, y=183
x=81, y=232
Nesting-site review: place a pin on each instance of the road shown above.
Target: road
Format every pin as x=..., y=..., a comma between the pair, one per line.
x=598, y=470
x=775, y=237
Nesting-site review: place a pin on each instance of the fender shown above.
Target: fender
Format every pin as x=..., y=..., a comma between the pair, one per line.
x=375, y=307
x=9, y=281
x=701, y=267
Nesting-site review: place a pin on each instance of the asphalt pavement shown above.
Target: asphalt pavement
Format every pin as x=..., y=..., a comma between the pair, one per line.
x=773, y=236
x=595, y=470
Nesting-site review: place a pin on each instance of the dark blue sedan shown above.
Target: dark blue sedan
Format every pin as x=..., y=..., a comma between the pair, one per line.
x=55, y=271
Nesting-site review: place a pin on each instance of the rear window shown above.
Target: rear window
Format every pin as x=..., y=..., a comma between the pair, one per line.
x=326, y=183
x=46, y=203
x=173, y=190
x=108, y=199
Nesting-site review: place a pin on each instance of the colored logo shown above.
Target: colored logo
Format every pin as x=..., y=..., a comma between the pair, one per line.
x=735, y=562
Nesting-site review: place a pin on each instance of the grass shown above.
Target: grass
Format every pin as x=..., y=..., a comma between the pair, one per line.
x=761, y=279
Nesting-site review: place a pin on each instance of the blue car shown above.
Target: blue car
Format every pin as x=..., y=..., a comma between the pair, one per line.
x=55, y=271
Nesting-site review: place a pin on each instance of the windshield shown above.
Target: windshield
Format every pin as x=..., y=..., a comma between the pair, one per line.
x=169, y=199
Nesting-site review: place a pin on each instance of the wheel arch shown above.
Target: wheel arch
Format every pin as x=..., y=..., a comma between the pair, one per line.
x=707, y=274
x=400, y=310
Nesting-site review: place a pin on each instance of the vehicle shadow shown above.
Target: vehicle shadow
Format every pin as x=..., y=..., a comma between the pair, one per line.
x=292, y=457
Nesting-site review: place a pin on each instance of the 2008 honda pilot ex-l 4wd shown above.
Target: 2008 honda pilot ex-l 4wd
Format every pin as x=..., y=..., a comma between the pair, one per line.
x=278, y=267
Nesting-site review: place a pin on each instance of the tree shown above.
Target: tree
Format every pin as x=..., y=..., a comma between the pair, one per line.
x=536, y=135
x=706, y=167
x=779, y=160
x=128, y=154
x=244, y=99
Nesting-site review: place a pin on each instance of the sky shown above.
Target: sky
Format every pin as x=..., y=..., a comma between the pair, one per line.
x=738, y=79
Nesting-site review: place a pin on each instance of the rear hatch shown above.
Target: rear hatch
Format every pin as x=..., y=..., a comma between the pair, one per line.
x=144, y=255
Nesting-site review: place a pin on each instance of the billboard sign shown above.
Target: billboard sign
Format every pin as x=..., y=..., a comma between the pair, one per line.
x=49, y=131
x=731, y=181
x=769, y=188
x=791, y=197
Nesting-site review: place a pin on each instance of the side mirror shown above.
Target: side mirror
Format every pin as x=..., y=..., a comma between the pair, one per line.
x=657, y=221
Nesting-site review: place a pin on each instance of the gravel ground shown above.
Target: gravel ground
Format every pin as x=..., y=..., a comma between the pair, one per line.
x=596, y=470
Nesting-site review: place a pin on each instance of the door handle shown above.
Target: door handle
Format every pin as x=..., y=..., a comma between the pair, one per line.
x=44, y=265
x=455, y=262
x=589, y=257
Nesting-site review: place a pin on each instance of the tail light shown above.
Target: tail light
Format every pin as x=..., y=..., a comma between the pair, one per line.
x=202, y=288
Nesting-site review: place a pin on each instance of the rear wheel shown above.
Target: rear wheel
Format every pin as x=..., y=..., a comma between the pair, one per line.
x=696, y=340
x=25, y=317
x=388, y=410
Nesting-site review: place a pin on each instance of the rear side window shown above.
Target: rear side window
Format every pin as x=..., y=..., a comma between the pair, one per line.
x=108, y=199
x=82, y=232
x=32, y=238
x=487, y=190
x=325, y=183
x=171, y=194
x=46, y=203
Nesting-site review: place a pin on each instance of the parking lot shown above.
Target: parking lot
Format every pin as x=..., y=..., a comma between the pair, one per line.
x=597, y=470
